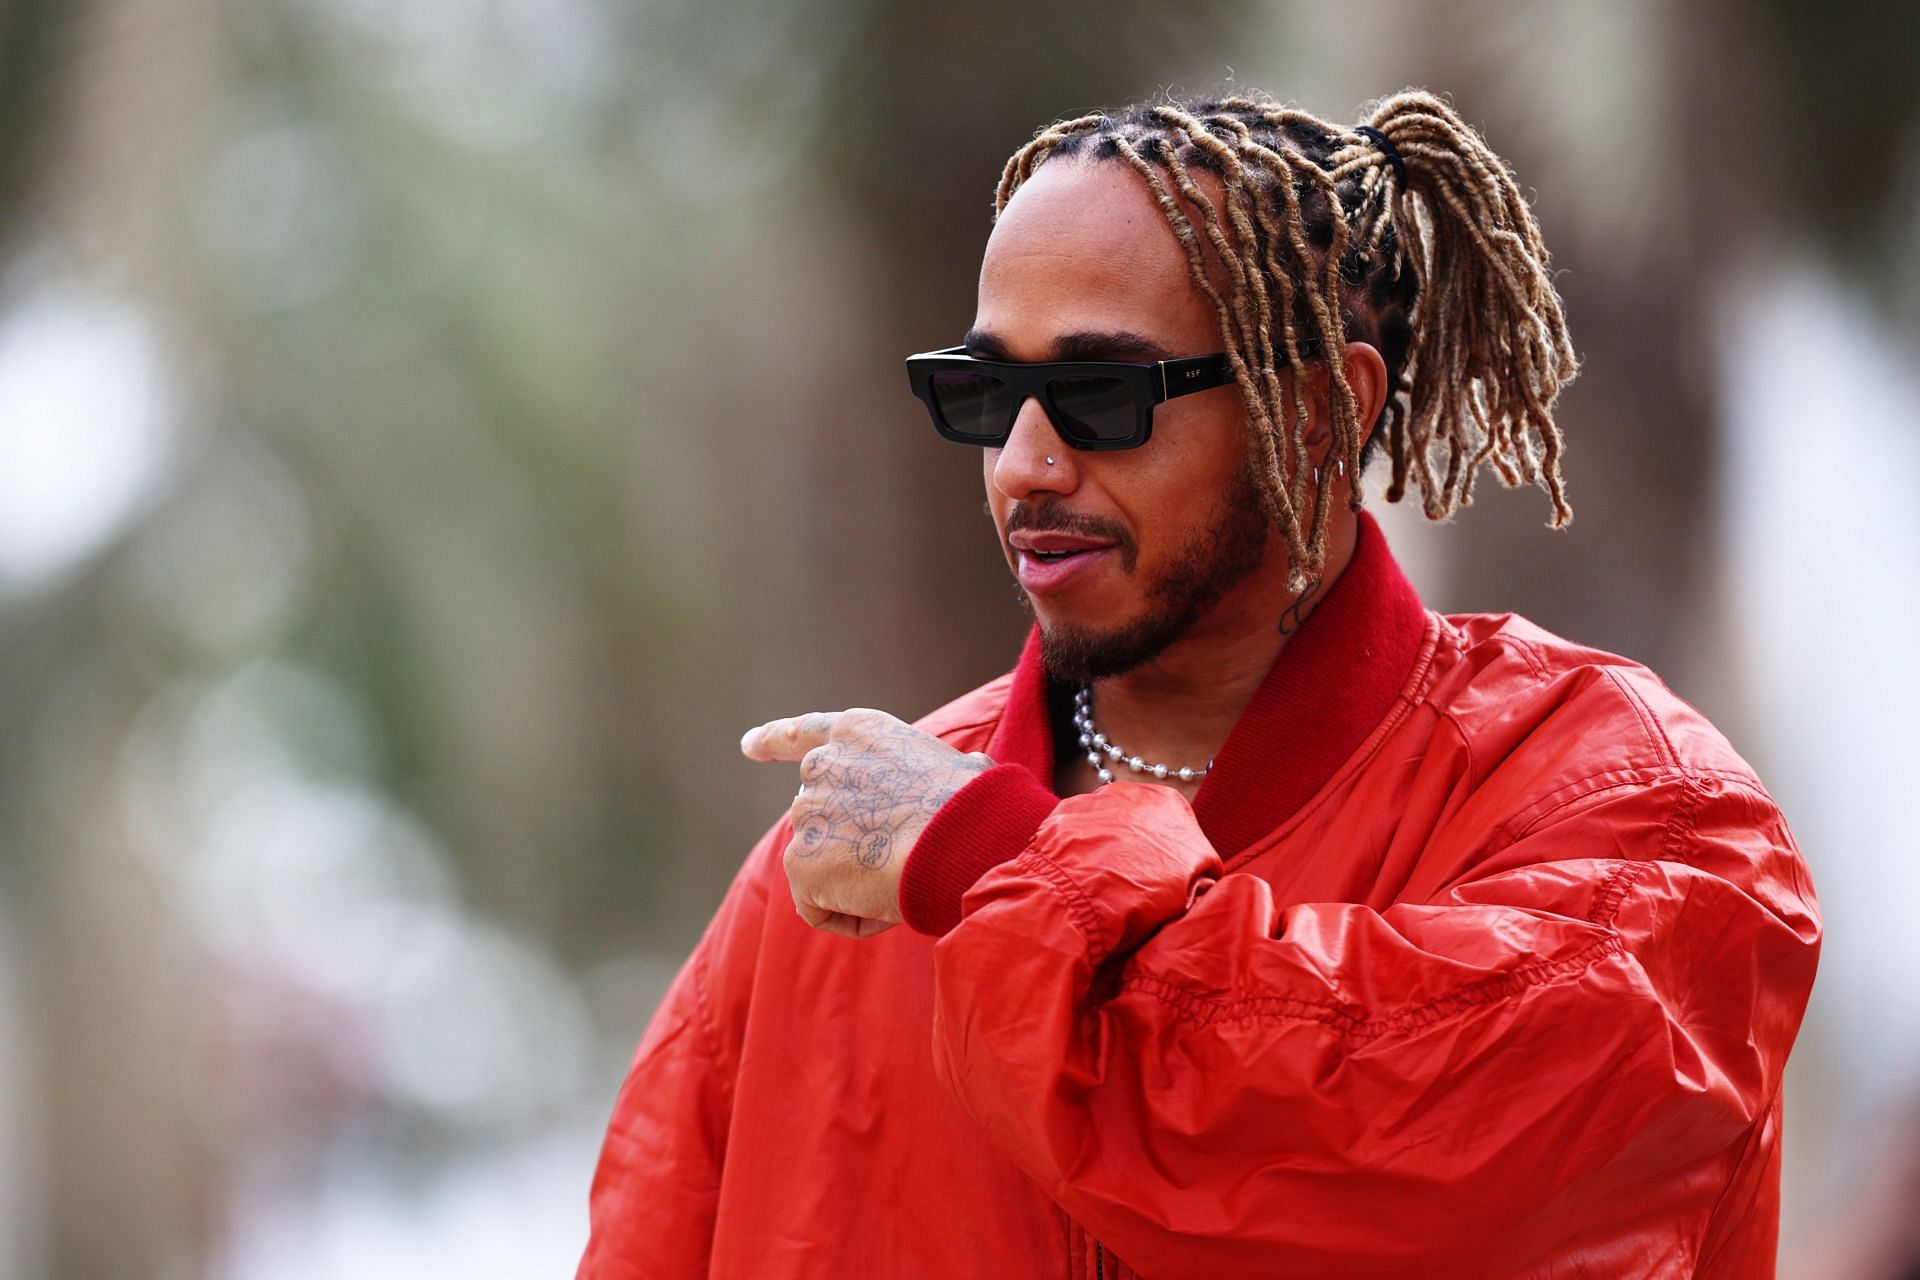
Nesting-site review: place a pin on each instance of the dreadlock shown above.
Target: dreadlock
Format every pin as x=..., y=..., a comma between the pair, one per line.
x=1406, y=232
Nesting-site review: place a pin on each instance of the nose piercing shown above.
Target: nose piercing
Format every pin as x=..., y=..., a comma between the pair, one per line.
x=1049, y=461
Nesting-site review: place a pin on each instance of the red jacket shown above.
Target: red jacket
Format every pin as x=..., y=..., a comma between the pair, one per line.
x=1478, y=954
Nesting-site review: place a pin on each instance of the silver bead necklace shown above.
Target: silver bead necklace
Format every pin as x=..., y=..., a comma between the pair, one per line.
x=1099, y=749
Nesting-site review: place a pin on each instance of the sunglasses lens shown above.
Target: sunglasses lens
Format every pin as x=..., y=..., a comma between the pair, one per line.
x=974, y=405
x=1096, y=409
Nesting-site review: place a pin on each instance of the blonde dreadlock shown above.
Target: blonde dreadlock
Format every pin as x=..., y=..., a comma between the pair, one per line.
x=1407, y=232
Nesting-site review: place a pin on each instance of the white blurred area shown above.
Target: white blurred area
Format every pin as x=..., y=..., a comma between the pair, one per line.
x=87, y=424
x=352, y=1003
x=1821, y=564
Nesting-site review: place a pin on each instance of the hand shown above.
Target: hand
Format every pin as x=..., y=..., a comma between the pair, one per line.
x=869, y=784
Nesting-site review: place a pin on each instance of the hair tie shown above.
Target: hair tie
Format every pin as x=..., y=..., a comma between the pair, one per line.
x=1387, y=149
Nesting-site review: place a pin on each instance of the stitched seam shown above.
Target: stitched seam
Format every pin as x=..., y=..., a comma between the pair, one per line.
x=1760, y=1119
x=1466, y=743
x=1531, y=655
x=1592, y=785
x=1656, y=736
x=1208, y=1009
x=1559, y=801
x=1342, y=1019
x=1433, y=629
x=1078, y=906
x=952, y=730
x=709, y=1022
x=1613, y=894
x=1681, y=822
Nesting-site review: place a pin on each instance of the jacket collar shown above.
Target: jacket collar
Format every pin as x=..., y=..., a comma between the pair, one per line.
x=1335, y=680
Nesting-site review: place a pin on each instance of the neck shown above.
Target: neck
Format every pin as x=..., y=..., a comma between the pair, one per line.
x=1179, y=708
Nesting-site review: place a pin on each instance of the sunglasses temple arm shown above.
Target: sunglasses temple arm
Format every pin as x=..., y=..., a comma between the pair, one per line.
x=1194, y=373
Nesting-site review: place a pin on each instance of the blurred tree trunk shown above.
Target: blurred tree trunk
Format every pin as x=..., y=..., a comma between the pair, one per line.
x=1634, y=571
x=35, y=40
x=111, y=1169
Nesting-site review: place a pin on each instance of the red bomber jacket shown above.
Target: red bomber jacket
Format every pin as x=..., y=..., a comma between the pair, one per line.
x=1478, y=953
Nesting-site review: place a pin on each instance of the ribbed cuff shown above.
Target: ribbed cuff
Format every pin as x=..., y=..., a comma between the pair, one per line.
x=987, y=822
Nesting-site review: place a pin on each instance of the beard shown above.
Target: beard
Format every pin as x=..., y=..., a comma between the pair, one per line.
x=1218, y=558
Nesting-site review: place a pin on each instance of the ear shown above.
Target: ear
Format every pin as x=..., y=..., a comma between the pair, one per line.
x=1366, y=374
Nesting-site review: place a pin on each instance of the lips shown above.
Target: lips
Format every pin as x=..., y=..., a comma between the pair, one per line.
x=1051, y=562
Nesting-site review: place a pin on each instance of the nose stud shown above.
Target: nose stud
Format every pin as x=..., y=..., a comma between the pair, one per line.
x=1049, y=460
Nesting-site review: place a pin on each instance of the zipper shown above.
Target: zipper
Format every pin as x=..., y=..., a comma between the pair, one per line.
x=1078, y=1237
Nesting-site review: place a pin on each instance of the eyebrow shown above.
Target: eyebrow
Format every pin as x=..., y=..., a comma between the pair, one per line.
x=1086, y=344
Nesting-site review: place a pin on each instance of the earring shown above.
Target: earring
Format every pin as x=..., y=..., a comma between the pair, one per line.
x=1340, y=467
x=1316, y=475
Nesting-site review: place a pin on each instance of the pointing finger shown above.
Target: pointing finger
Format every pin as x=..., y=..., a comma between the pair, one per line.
x=789, y=738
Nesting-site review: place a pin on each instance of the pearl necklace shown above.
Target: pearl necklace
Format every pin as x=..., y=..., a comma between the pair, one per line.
x=1096, y=745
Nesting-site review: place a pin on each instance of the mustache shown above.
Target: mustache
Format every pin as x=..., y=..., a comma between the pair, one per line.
x=1050, y=515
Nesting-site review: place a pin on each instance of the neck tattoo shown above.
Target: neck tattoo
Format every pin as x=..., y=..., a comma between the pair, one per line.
x=1292, y=616
x=1097, y=746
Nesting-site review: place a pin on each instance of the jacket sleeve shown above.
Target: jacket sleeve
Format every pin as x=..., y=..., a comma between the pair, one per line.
x=1551, y=1047
x=656, y=1189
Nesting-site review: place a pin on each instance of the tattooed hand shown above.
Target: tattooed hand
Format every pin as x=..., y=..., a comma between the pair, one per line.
x=869, y=784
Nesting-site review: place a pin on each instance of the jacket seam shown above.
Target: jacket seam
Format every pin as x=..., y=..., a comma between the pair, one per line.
x=1594, y=784
x=1649, y=724
x=1078, y=906
x=1565, y=797
x=1206, y=1010
x=1342, y=1018
x=1466, y=743
x=1681, y=822
x=1532, y=657
x=709, y=1023
x=954, y=730
x=1613, y=894
x=1754, y=1134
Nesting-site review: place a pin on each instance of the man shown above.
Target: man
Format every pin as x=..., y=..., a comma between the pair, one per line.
x=1389, y=944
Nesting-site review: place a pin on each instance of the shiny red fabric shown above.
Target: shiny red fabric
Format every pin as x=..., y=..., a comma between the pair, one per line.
x=1479, y=954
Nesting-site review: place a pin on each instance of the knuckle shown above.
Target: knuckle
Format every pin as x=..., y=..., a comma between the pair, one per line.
x=814, y=763
x=858, y=722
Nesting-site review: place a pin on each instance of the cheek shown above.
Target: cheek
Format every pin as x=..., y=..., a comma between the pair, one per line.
x=1213, y=441
x=1174, y=491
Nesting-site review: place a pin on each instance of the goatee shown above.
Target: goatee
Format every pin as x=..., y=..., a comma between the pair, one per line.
x=1220, y=556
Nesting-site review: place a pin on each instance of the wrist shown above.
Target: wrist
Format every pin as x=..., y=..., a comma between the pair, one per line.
x=985, y=823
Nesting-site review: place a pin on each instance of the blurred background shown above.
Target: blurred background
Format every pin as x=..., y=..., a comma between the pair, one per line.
x=432, y=430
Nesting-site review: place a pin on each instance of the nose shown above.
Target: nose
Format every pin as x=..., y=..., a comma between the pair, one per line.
x=1034, y=459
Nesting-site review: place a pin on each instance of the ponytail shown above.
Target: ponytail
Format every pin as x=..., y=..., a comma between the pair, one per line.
x=1489, y=351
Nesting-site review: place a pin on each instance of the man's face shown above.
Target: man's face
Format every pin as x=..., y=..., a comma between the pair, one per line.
x=1082, y=265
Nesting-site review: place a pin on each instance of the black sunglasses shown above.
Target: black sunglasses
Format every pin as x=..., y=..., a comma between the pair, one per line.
x=1093, y=404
